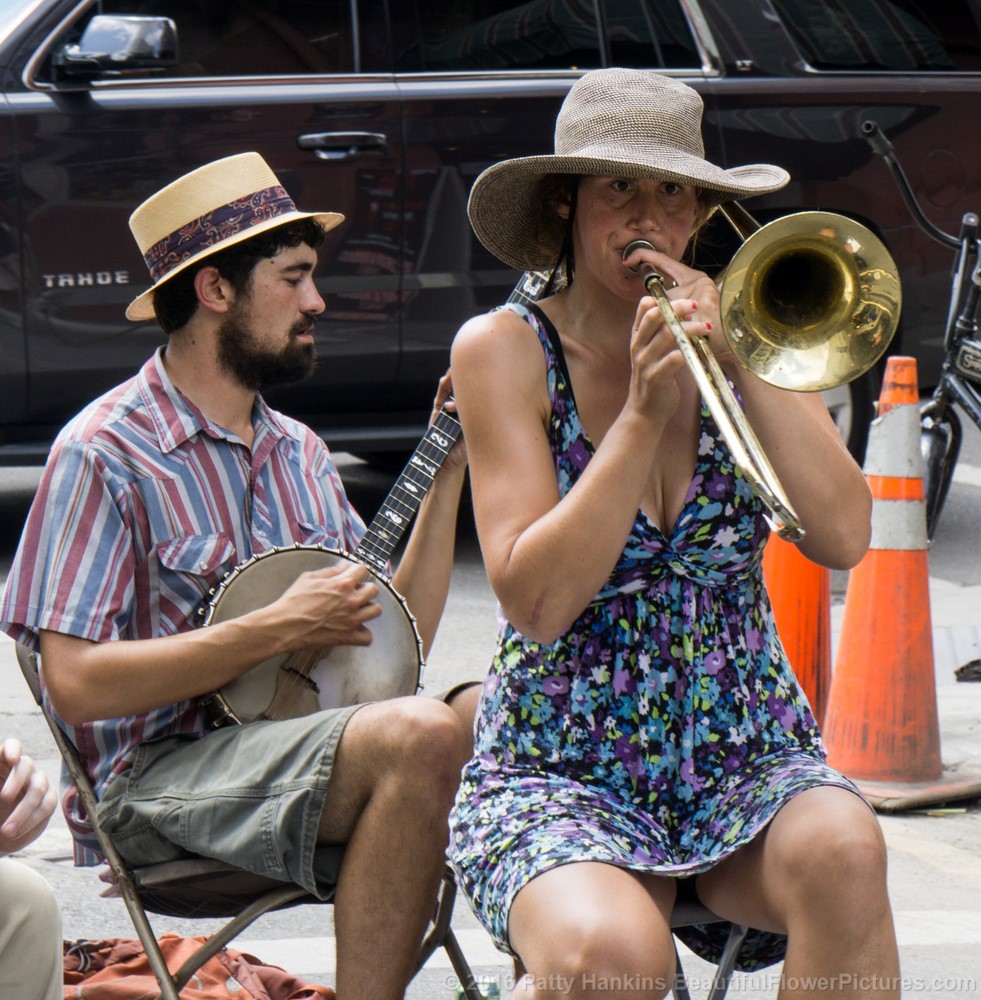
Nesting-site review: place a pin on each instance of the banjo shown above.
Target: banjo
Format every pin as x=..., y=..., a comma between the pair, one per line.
x=303, y=682
x=300, y=683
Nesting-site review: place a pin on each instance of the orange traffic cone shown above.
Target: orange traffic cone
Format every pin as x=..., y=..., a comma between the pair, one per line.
x=881, y=727
x=800, y=593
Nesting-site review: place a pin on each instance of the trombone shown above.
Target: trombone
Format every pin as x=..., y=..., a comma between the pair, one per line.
x=809, y=301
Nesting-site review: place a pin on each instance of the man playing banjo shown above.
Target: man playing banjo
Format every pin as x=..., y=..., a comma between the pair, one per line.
x=150, y=497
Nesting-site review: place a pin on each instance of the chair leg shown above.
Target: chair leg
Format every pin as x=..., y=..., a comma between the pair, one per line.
x=270, y=901
x=441, y=935
x=168, y=989
x=680, y=989
x=441, y=920
x=462, y=968
x=727, y=963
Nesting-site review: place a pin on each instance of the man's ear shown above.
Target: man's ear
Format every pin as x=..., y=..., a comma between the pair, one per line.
x=213, y=291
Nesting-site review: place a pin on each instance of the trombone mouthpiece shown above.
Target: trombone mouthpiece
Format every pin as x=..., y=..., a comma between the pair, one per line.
x=645, y=269
x=634, y=245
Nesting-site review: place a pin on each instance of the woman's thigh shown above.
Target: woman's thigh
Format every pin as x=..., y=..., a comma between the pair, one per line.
x=823, y=852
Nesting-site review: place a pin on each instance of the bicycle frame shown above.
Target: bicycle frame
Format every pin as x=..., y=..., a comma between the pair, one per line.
x=960, y=375
x=940, y=427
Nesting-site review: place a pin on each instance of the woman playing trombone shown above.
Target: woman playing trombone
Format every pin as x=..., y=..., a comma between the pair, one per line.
x=641, y=736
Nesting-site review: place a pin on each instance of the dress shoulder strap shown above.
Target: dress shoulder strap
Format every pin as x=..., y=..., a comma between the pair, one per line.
x=547, y=334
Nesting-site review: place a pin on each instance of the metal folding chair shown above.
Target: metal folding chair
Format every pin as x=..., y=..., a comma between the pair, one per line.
x=203, y=887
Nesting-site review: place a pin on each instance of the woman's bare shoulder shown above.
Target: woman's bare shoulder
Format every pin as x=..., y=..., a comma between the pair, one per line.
x=489, y=337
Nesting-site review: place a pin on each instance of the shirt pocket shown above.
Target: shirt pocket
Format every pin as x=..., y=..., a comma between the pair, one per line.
x=190, y=568
x=318, y=534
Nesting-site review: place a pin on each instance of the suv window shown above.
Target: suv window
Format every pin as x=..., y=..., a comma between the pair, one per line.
x=273, y=38
x=548, y=35
x=899, y=35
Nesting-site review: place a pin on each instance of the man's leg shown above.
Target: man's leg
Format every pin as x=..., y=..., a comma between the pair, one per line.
x=30, y=935
x=395, y=775
x=463, y=700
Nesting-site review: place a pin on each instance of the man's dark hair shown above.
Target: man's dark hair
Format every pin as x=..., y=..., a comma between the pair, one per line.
x=175, y=300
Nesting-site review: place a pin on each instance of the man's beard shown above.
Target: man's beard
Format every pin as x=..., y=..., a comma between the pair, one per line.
x=258, y=368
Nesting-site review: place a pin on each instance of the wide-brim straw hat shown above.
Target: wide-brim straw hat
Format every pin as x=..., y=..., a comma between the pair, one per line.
x=210, y=208
x=613, y=122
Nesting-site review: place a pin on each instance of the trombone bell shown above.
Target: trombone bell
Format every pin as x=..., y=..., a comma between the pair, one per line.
x=810, y=301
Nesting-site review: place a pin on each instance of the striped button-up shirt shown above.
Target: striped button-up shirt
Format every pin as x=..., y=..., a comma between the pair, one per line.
x=144, y=506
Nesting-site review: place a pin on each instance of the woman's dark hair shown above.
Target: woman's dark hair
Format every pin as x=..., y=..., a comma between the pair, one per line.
x=553, y=230
x=176, y=300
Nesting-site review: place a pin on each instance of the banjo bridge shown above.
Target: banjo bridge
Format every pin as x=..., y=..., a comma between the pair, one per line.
x=301, y=675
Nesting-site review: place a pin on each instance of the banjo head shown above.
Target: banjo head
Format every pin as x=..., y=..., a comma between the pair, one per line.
x=389, y=667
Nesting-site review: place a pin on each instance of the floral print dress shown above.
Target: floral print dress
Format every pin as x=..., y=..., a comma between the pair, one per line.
x=664, y=730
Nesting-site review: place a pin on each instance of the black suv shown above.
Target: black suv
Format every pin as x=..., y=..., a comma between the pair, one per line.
x=386, y=110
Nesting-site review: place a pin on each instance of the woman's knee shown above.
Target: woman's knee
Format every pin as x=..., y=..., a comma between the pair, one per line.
x=593, y=960
x=576, y=942
x=840, y=857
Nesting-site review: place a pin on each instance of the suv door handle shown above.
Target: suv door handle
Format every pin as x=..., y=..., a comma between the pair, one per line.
x=344, y=145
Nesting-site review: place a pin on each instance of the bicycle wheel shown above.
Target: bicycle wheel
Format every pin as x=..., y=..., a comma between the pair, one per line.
x=940, y=444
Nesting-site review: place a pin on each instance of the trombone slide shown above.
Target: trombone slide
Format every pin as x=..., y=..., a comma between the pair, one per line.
x=747, y=452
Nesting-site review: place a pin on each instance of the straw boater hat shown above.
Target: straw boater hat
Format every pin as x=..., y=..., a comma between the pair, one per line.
x=613, y=122
x=210, y=208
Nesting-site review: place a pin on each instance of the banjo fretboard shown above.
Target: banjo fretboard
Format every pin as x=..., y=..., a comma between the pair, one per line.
x=406, y=496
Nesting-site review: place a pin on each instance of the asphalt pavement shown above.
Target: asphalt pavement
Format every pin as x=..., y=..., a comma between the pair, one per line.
x=935, y=854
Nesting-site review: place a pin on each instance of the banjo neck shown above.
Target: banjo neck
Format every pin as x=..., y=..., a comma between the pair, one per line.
x=405, y=497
